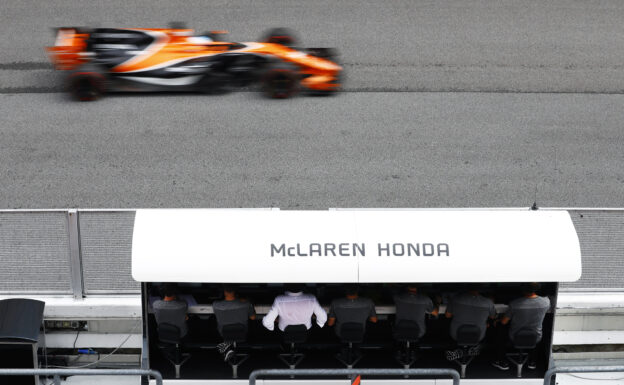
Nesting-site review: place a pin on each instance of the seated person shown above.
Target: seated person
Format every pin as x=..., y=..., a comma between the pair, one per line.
x=231, y=310
x=171, y=310
x=469, y=308
x=528, y=312
x=412, y=306
x=351, y=308
x=294, y=308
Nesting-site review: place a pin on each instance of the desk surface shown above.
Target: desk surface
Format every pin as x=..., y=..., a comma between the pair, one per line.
x=199, y=308
x=264, y=309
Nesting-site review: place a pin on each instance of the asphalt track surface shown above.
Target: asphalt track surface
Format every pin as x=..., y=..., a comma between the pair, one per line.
x=353, y=150
x=448, y=104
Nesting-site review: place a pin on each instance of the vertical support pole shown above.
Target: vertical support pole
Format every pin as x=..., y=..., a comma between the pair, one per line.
x=235, y=360
x=34, y=348
x=349, y=355
x=551, y=361
x=145, y=364
x=75, y=259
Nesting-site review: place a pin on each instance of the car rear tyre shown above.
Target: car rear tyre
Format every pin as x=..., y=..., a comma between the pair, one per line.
x=280, y=83
x=86, y=86
x=283, y=36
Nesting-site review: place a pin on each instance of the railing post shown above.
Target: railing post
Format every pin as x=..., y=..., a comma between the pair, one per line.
x=75, y=260
x=157, y=376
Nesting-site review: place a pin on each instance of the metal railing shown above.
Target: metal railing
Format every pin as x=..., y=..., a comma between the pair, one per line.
x=579, y=369
x=353, y=372
x=57, y=373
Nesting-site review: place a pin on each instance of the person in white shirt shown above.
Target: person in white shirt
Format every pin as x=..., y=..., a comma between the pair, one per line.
x=294, y=308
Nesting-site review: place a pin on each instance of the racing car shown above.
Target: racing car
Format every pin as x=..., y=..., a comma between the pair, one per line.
x=104, y=60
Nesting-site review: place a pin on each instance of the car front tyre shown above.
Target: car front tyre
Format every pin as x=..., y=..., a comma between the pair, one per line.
x=280, y=83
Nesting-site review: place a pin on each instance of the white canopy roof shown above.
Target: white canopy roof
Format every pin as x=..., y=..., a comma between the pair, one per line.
x=271, y=246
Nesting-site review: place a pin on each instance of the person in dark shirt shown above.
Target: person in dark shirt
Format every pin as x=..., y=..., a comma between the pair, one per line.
x=231, y=310
x=171, y=310
x=526, y=312
x=412, y=306
x=469, y=308
x=351, y=308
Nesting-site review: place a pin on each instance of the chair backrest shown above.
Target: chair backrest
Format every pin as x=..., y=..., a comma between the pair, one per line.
x=296, y=334
x=169, y=333
x=234, y=332
x=352, y=332
x=406, y=330
x=525, y=338
x=468, y=335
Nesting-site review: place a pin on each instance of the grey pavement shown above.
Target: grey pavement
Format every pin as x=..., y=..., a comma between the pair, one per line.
x=353, y=150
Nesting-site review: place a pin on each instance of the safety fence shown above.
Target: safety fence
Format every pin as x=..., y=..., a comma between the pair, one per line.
x=66, y=252
x=88, y=252
x=57, y=373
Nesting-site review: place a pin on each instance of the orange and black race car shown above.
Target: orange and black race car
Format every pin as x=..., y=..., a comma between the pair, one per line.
x=135, y=59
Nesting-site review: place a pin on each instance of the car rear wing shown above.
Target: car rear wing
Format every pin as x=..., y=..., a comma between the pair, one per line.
x=70, y=49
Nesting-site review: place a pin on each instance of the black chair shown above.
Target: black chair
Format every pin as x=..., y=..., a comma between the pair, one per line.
x=523, y=341
x=468, y=339
x=292, y=335
x=407, y=333
x=351, y=333
x=170, y=343
x=235, y=333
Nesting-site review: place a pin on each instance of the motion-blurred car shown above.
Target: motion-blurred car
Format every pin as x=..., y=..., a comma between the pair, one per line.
x=134, y=59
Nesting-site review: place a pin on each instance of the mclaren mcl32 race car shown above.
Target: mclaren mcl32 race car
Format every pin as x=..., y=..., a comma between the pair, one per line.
x=104, y=60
